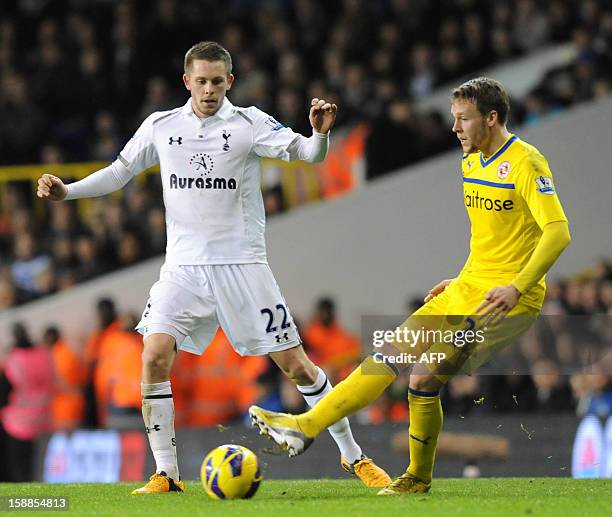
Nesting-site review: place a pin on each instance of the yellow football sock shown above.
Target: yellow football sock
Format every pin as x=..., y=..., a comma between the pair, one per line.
x=425, y=425
x=359, y=389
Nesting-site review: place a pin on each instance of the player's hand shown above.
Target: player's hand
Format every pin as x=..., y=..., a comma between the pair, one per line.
x=498, y=302
x=322, y=115
x=51, y=187
x=437, y=289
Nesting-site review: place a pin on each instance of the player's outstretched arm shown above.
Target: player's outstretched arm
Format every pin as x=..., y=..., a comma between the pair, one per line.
x=99, y=183
x=322, y=115
x=51, y=187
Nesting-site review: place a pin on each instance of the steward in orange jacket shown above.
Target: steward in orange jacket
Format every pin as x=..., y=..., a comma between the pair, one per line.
x=68, y=403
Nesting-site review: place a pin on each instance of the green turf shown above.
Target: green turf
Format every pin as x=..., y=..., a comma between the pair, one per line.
x=329, y=498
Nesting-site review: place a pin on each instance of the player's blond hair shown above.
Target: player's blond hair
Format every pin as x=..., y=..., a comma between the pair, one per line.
x=209, y=51
x=487, y=95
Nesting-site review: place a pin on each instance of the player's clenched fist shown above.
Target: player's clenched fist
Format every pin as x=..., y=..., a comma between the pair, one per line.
x=322, y=115
x=51, y=187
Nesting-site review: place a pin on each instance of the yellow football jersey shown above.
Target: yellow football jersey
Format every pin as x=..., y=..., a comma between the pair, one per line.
x=509, y=198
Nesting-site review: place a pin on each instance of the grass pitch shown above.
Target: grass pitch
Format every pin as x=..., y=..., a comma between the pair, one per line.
x=308, y=498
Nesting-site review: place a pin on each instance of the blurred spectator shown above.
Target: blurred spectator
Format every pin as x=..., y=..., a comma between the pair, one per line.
x=157, y=97
x=129, y=251
x=28, y=265
x=26, y=388
x=156, y=231
x=107, y=142
x=552, y=390
x=21, y=124
x=108, y=324
x=593, y=392
x=329, y=345
x=531, y=28
x=393, y=140
x=121, y=355
x=68, y=404
x=90, y=262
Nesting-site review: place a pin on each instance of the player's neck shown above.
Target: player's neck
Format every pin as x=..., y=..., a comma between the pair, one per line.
x=499, y=136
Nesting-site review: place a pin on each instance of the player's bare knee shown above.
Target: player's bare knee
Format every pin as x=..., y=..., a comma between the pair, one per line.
x=158, y=355
x=427, y=383
x=156, y=363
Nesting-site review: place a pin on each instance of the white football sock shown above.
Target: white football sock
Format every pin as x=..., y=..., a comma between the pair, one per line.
x=158, y=414
x=341, y=430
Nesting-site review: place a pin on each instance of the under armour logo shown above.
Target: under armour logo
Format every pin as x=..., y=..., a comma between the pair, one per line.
x=156, y=427
x=280, y=338
x=424, y=441
x=226, y=136
x=178, y=140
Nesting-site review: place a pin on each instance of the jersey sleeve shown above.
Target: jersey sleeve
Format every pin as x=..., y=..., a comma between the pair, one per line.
x=270, y=138
x=535, y=184
x=140, y=153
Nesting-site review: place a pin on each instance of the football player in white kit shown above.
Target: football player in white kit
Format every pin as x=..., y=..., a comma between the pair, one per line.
x=216, y=271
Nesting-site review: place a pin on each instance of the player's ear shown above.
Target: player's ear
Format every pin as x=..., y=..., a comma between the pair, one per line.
x=230, y=81
x=186, y=81
x=492, y=118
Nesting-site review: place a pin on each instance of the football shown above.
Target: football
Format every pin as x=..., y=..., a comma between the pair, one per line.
x=230, y=472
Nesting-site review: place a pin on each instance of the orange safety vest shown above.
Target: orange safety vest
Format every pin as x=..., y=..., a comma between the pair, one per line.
x=68, y=404
x=124, y=379
x=30, y=372
x=222, y=384
x=180, y=380
x=332, y=348
x=339, y=170
x=95, y=340
x=109, y=348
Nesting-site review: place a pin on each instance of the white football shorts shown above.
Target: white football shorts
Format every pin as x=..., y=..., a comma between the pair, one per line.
x=191, y=302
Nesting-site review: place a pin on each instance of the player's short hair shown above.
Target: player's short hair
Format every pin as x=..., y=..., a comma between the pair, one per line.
x=209, y=51
x=487, y=95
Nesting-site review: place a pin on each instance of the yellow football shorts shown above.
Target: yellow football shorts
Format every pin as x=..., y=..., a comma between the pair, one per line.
x=447, y=337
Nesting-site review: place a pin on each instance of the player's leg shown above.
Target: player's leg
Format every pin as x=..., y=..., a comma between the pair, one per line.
x=425, y=425
x=180, y=305
x=362, y=387
x=257, y=321
x=313, y=384
x=158, y=412
x=462, y=354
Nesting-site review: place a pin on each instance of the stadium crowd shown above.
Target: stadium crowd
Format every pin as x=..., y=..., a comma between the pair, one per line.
x=58, y=109
x=43, y=255
x=77, y=78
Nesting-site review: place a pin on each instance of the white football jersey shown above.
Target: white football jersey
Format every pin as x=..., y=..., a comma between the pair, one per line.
x=211, y=179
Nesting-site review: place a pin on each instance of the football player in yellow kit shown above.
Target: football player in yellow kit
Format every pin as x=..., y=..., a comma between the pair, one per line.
x=518, y=230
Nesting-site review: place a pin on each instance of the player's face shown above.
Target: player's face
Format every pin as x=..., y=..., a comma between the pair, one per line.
x=207, y=81
x=469, y=125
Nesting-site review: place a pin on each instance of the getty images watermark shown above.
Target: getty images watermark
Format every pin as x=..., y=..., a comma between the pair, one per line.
x=404, y=339
x=524, y=344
